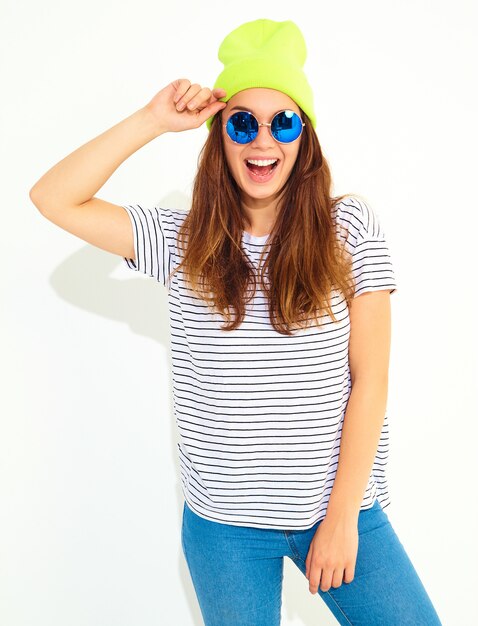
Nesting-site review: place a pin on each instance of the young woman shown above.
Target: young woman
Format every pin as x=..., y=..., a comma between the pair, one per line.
x=279, y=299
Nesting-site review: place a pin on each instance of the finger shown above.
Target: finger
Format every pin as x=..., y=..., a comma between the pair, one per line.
x=307, y=565
x=326, y=579
x=201, y=99
x=210, y=110
x=338, y=577
x=349, y=574
x=188, y=96
x=219, y=93
x=314, y=579
x=181, y=85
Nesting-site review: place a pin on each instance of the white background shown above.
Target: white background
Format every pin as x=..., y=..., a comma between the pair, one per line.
x=90, y=490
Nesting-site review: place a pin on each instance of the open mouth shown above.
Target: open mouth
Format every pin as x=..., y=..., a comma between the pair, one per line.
x=261, y=170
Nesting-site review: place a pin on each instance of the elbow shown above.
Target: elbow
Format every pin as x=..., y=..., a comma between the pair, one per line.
x=35, y=198
x=33, y=195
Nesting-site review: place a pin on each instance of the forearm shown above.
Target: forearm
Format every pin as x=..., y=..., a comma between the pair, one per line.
x=79, y=176
x=361, y=431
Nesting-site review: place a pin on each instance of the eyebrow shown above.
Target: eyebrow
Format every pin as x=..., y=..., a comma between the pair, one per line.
x=240, y=108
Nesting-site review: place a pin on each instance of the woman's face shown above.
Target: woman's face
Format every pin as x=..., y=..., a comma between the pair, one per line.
x=264, y=104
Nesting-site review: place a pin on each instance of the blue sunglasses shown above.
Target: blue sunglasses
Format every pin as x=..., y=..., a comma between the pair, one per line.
x=243, y=127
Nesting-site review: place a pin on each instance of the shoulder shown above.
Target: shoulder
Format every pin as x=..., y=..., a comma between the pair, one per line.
x=171, y=218
x=352, y=212
x=166, y=222
x=169, y=221
x=354, y=218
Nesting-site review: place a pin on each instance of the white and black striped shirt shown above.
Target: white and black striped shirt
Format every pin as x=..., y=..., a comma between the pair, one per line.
x=259, y=413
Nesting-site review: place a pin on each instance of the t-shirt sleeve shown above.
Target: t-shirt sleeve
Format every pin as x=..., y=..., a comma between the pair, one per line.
x=366, y=241
x=152, y=251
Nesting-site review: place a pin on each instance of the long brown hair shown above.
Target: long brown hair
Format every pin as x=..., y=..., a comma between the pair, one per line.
x=304, y=261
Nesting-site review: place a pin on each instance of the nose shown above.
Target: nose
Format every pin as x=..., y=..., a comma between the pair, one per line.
x=264, y=137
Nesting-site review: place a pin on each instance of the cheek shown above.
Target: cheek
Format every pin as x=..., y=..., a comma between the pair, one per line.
x=234, y=161
x=234, y=165
x=290, y=160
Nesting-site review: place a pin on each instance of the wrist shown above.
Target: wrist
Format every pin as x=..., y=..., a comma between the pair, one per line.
x=150, y=122
x=344, y=511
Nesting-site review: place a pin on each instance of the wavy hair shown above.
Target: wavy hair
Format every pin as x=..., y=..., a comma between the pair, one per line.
x=304, y=260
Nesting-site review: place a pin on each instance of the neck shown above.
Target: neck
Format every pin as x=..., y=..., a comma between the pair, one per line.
x=260, y=215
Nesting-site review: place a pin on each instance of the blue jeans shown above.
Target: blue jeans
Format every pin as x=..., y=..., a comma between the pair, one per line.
x=237, y=573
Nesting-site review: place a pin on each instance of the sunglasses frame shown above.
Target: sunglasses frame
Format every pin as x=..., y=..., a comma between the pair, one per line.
x=259, y=124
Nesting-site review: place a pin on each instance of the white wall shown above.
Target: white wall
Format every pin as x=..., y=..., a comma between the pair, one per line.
x=90, y=490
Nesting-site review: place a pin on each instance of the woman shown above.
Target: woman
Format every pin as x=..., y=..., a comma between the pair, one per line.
x=279, y=302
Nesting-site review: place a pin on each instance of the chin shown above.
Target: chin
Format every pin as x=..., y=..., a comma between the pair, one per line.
x=260, y=188
x=259, y=194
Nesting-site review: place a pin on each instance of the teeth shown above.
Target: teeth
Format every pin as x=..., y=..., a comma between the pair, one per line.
x=257, y=162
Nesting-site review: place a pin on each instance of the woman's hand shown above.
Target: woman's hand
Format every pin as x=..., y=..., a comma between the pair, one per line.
x=182, y=105
x=332, y=554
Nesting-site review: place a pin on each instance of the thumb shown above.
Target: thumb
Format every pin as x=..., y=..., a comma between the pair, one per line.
x=219, y=93
x=210, y=110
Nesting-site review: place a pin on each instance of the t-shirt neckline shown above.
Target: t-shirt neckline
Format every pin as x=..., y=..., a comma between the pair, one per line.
x=253, y=239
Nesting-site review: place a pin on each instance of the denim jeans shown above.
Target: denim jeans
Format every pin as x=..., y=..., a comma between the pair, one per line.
x=237, y=573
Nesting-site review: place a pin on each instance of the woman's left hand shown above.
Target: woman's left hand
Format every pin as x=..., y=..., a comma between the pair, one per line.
x=332, y=554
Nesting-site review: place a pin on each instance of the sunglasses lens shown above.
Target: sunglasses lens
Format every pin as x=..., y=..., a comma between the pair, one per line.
x=286, y=126
x=242, y=127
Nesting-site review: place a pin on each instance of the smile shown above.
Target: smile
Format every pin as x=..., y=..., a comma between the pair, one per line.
x=261, y=170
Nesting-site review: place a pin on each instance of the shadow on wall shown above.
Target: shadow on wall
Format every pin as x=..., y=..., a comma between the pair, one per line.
x=84, y=280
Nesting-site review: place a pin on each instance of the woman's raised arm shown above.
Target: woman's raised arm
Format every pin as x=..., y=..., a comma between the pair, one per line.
x=65, y=193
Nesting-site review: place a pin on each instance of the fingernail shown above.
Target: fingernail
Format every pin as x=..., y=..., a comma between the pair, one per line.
x=192, y=104
x=180, y=106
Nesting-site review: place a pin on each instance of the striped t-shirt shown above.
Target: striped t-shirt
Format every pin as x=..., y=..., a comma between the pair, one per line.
x=259, y=413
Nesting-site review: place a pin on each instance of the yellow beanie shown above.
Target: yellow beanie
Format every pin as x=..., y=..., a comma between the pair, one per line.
x=265, y=53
